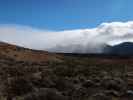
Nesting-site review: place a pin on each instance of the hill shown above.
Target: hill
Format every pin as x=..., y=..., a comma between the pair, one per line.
x=23, y=54
x=125, y=48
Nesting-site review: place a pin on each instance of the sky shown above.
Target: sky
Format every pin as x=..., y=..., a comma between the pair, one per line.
x=64, y=14
x=66, y=25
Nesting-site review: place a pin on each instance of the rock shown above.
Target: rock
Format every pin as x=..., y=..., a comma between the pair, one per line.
x=79, y=93
x=45, y=94
x=88, y=83
x=63, y=84
x=75, y=81
x=16, y=86
x=37, y=75
x=100, y=96
x=82, y=78
x=114, y=93
x=114, y=84
x=130, y=92
x=128, y=95
x=48, y=82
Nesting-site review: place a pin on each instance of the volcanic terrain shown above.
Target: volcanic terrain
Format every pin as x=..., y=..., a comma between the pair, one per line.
x=27, y=74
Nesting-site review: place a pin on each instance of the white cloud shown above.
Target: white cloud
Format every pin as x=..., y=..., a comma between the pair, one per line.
x=83, y=40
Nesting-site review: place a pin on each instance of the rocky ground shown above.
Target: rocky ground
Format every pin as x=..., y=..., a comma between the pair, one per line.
x=63, y=77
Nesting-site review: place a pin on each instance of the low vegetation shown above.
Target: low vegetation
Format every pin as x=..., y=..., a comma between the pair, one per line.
x=65, y=77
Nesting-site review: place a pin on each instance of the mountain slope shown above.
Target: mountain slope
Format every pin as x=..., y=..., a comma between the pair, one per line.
x=125, y=48
x=24, y=54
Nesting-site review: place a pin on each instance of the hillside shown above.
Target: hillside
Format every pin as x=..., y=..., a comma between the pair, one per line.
x=23, y=54
x=125, y=48
x=27, y=74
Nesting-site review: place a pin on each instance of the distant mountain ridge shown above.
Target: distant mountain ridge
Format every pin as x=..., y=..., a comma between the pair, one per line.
x=125, y=48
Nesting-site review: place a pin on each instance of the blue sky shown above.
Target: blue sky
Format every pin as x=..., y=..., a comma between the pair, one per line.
x=64, y=14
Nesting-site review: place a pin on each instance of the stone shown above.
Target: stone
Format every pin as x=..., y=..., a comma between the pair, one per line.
x=45, y=94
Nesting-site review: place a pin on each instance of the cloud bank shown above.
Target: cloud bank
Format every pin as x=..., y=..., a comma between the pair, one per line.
x=91, y=40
